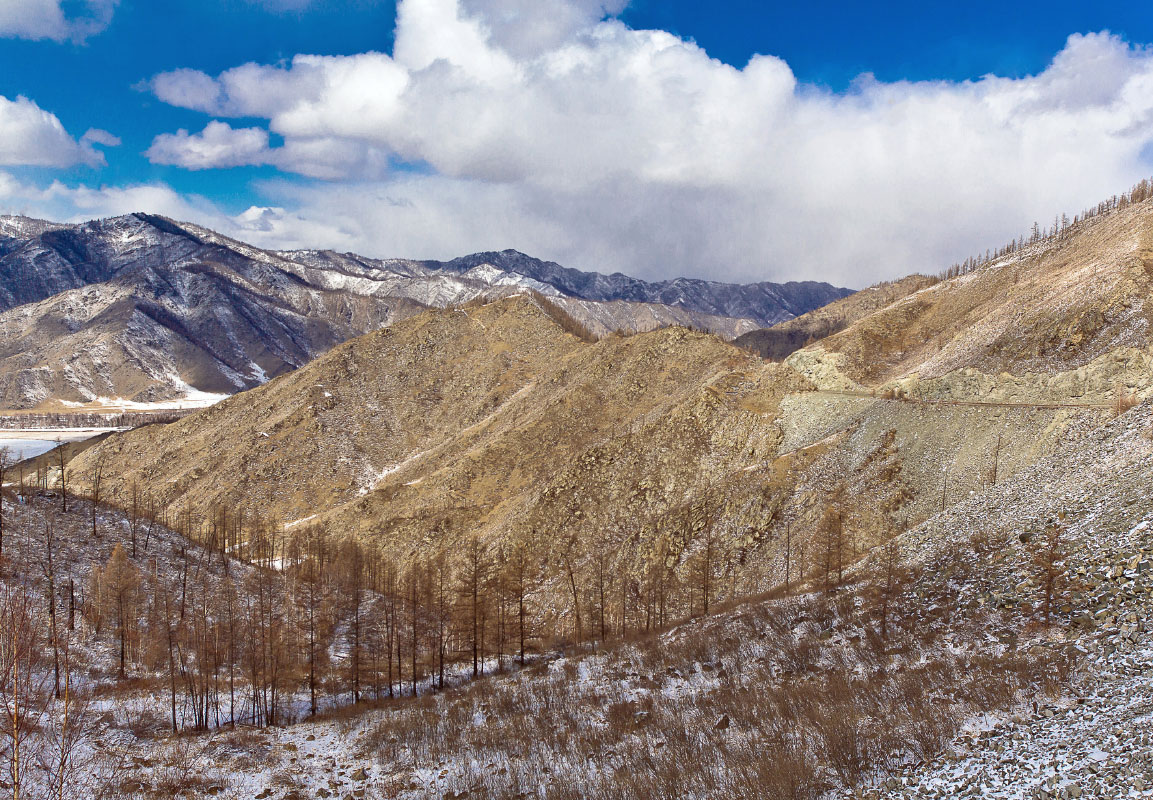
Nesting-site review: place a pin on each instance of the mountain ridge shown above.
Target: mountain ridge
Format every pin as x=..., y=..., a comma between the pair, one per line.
x=142, y=307
x=716, y=297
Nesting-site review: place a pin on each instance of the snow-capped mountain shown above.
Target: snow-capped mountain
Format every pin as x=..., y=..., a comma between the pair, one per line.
x=764, y=303
x=145, y=308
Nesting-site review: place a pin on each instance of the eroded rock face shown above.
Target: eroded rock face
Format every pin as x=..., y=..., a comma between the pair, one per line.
x=1126, y=370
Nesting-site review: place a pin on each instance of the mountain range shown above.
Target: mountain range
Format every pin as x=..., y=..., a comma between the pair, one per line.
x=144, y=308
x=492, y=420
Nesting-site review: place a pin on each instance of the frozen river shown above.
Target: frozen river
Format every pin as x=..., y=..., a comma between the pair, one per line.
x=31, y=443
x=26, y=448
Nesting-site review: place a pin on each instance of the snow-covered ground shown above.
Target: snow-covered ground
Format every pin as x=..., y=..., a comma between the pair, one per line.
x=192, y=399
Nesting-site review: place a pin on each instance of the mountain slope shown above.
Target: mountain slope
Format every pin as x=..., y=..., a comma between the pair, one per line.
x=137, y=307
x=785, y=338
x=1077, y=302
x=484, y=403
x=144, y=308
x=655, y=448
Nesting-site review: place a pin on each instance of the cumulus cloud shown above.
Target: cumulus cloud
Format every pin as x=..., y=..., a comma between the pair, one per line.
x=31, y=136
x=220, y=145
x=98, y=136
x=50, y=19
x=569, y=135
x=64, y=203
x=527, y=28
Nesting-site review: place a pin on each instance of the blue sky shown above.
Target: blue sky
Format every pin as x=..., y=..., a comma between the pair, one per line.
x=660, y=195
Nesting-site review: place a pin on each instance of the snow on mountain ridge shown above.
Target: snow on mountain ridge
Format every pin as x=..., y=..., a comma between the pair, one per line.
x=159, y=298
x=766, y=303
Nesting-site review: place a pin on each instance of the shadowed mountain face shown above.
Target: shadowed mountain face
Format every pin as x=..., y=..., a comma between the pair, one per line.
x=778, y=342
x=144, y=308
x=764, y=303
x=140, y=308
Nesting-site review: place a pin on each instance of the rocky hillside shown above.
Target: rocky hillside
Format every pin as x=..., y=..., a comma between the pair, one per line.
x=915, y=554
x=144, y=308
x=140, y=308
x=785, y=338
x=1070, y=312
x=492, y=421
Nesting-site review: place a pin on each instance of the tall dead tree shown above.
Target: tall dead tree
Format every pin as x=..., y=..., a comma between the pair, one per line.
x=520, y=579
x=440, y=589
x=832, y=540
x=62, y=464
x=114, y=588
x=50, y=577
x=6, y=460
x=993, y=469
x=414, y=580
x=788, y=553
x=889, y=583
x=22, y=699
x=134, y=514
x=97, y=486
x=474, y=577
x=706, y=562
x=352, y=586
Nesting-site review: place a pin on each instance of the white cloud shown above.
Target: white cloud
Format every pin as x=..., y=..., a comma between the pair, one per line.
x=50, y=19
x=527, y=28
x=63, y=203
x=31, y=136
x=573, y=137
x=220, y=145
x=97, y=136
x=266, y=226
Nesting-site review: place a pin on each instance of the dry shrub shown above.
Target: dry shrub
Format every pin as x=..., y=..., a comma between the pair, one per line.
x=621, y=716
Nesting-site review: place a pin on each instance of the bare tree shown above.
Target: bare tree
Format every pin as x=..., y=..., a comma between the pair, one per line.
x=6, y=461
x=97, y=487
x=1049, y=559
x=474, y=578
x=440, y=587
x=706, y=558
x=134, y=509
x=352, y=587
x=115, y=589
x=996, y=461
x=50, y=578
x=832, y=539
x=62, y=465
x=889, y=582
x=788, y=553
x=520, y=578
x=413, y=578
x=313, y=598
x=62, y=758
x=22, y=699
